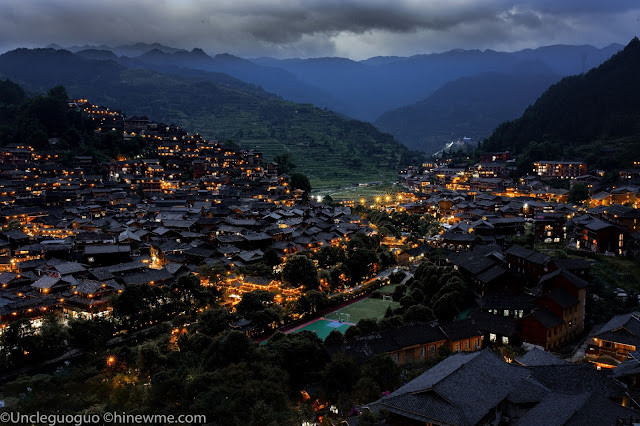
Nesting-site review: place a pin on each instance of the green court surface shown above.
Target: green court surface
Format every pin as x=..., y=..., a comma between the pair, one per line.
x=366, y=308
x=323, y=327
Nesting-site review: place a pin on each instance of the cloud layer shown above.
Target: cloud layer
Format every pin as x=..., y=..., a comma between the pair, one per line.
x=353, y=28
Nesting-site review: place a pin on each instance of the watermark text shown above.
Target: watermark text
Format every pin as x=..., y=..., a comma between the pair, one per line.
x=119, y=418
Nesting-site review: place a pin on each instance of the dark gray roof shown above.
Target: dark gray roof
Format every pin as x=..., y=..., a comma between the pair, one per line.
x=7, y=277
x=563, y=298
x=69, y=268
x=120, y=268
x=492, y=323
x=465, y=388
x=472, y=262
x=45, y=282
x=456, y=236
x=546, y=318
x=530, y=255
x=507, y=301
x=88, y=286
x=459, y=330
x=629, y=367
x=621, y=335
x=629, y=321
x=559, y=409
x=150, y=275
x=106, y=249
x=537, y=357
x=364, y=347
x=461, y=390
x=576, y=378
x=573, y=279
x=491, y=274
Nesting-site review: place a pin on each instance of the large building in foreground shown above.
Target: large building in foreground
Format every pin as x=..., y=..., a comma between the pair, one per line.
x=480, y=388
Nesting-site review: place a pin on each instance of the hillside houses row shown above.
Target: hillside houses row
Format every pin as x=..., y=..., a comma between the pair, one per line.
x=74, y=235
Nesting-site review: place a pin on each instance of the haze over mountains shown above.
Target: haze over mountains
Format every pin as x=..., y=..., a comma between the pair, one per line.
x=329, y=148
x=469, y=106
x=392, y=92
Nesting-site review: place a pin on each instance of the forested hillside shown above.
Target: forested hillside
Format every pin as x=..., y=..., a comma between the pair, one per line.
x=329, y=148
x=593, y=116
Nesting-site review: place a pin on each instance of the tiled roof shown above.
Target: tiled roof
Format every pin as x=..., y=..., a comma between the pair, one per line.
x=45, y=282
x=559, y=409
x=461, y=390
x=67, y=268
x=149, y=275
x=572, y=278
x=459, y=330
x=563, y=298
x=507, y=301
x=630, y=321
x=537, y=357
x=546, y=318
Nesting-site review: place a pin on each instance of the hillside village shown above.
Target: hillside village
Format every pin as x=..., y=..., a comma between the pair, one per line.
x=463, y=259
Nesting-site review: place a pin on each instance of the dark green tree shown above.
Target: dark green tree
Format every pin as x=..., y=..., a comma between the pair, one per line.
x=90, y=334
x=214, y=321
x=300, y=271
x=285, y=163
x=418, y=313
x=300, y=181
x=361, y=263
x=383, y=370
x=329, y=256
x=18, y=343
x=578, y=193
x=272, y=258
x=334, y=338
x=254, y=301
x=340, y=374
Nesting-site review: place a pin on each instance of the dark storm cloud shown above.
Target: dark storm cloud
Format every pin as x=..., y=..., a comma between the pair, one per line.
x=313, y=27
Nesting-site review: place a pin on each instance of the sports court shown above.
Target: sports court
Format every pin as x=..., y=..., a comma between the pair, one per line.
x=365, y=308
x=322, y=327
x=349, y=315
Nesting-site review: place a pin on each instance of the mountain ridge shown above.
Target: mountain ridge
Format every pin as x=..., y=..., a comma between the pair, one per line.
x=580, y=116
x=367, y=89
x=468, y=107
x=331, y=149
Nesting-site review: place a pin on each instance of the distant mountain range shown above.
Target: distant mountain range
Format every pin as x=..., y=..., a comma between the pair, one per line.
x=468, y=107
x=330, y=148
x=593, y=116
x=130, y=50
x=371, y=87
x=393, y=92
x=424, y=101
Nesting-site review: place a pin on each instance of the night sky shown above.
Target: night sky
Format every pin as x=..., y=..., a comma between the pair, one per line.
x=356, y=29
